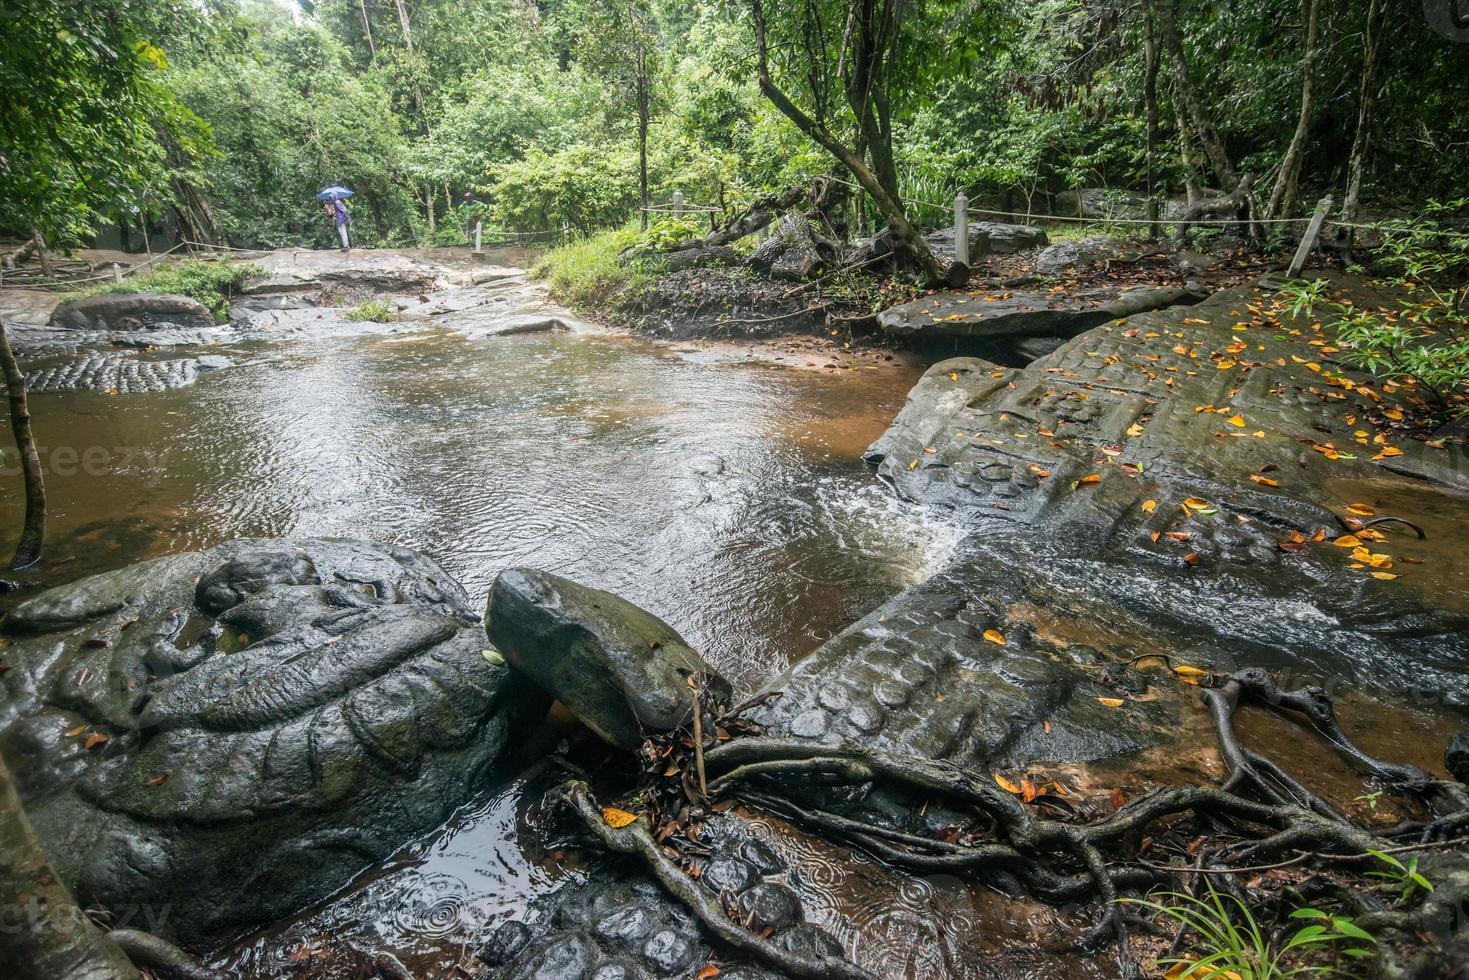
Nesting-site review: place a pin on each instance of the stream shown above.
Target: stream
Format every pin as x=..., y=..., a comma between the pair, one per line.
x=726, y=495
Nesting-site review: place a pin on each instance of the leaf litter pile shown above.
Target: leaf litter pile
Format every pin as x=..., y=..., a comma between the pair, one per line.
x=1260, y=838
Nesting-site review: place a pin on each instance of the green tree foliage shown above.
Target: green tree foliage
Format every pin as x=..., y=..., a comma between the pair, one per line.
x=226, y=116
x=89, y=118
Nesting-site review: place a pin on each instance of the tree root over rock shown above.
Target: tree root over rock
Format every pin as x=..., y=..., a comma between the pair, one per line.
x=1260, y=819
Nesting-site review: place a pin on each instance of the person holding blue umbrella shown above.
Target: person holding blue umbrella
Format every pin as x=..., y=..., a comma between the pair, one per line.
x=334, y=206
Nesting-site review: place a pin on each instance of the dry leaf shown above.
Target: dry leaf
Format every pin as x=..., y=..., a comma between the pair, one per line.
x=995, y=636
x=1111, y=702
x=617, y=819
x=1186, y=671
x=1089, y=480
x=1149, y=506
x=1361, y=510
x=1384, y=575
x=1347, y=541
x=709, y=971
x=1264, y=481
x=1006, y=785
x=95, y=739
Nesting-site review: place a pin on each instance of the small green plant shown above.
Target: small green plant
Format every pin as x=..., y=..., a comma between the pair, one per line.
x=214, y=284
x=1403, y=876
x=376, y=310
x=1233, y=942
x=1369, y=798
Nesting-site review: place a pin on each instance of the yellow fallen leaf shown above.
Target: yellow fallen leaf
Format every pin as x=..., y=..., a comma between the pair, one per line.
x=1389, y=451
x=1237, y=421
x=1196, y=503
x=1089, y=479
x=1006, y=785
x=953, y=375
x=1111, y=702
x=1185, y=670
x=1361, y=510
x=1134, y=430
x=1384, y=575
x=617, y=819
x=1149, y=506
x=995, y=636
x=1264, y=481
x=1347, y=541
x=1393, y=414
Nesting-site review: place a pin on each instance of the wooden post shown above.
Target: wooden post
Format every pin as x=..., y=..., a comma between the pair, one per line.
x=1308, y=240
x=961, y=228
x=678, y=205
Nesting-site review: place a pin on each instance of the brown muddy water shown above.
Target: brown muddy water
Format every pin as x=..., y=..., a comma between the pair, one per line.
x=726, y=495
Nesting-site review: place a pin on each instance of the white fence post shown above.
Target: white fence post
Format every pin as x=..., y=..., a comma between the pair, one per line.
x=678, y=205
x=961, y=229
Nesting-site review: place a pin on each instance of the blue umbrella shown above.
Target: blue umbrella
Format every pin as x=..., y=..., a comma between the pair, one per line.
x=334, y=193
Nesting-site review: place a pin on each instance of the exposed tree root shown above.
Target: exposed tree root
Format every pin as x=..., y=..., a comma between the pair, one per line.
x=161, y=956
x=1261, y=819
x=636, y=838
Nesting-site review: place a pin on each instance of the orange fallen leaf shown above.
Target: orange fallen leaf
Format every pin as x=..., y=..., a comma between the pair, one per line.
x=1197, y=503
x=709, y=971
x=1111, y=702
x=1149, y=506
x=1264, y=481
x=95, y=739
x=1347, y=541
x=1361, y=510
x=158, y=780
x=1184, y=670
x=617, y=819
x=1192, y=558
x=1237, y=421
x=995, y=636
x=1089, y=480
x=1006, y=785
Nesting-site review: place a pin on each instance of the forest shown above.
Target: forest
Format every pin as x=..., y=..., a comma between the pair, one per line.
x=568, y=116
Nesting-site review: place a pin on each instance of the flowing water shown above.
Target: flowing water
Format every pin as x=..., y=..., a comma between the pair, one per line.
x=727, y=496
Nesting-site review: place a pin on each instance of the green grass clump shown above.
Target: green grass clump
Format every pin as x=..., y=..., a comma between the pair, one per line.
x=588, y=274
x=212, y=283
x=376, y=310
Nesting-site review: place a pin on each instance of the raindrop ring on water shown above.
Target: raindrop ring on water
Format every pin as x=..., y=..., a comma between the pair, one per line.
x=442, y=916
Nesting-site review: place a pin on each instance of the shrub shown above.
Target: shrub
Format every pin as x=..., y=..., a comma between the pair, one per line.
x=376, y=310
x=212, y=283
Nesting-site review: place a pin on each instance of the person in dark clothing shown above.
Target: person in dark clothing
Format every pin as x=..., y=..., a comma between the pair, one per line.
x=337, y=208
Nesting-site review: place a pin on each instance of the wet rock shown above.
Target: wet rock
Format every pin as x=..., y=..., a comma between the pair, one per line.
x=991, y=317
x=121, y=374
x=770, y=905
x=131, y=311
x=619, y=669
x=504, y=943
x=1074, y=256
x=233, y=734
x=1009, y=448
x=1456, y=757
x=1007, y=239
x=729, y=874
x=941, y=242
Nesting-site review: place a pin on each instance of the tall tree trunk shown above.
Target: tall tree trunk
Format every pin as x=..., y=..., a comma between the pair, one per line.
x=906, y=238
x=1188, y=91
x=42, y=256
x=1283, y=196
x=644, y=97
x=1150, y=103
x=367, y=29
x=47, y=936
x=33, y=535
x=1371, y=58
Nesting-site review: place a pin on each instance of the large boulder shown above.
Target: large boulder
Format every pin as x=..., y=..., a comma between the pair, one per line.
x=1101, y=203
x=132, y=311
x=220, y=738
x=1074, y=256
x=968, y=314
x=623, y=671
x=1007, y=239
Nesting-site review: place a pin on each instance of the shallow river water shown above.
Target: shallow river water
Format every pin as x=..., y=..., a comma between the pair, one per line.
x=726, y=495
